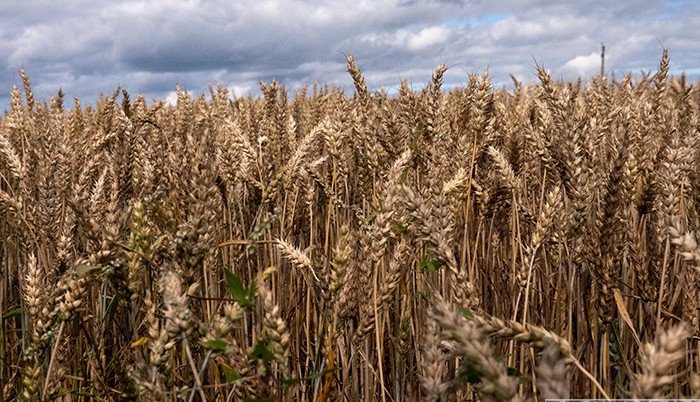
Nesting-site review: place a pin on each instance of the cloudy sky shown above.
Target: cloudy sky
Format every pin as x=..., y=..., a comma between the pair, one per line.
x=90, y=46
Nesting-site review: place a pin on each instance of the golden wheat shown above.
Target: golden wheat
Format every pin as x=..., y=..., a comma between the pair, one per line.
x=436, y=245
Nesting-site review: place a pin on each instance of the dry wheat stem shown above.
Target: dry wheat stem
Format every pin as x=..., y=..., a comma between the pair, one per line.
x=320, y=228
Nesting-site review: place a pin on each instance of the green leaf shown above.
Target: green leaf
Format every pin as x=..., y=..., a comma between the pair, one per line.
x=261, y=352
x=413, y=146
x=218, y=345
x=399, y=228
x=471, y=375
x=513, y=372
x=235, y=286
x=230, y=375
x=466, y=313
x=430, y=265
x=251, y=293
x=13, y=313
x=112, y=307
x=239, y=293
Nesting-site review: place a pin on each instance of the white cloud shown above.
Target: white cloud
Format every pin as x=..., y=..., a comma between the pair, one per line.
x=240, y=90
x=410, y=40
x=91, y=46
x=428, y=37
x=171, y=98
x=583, y=65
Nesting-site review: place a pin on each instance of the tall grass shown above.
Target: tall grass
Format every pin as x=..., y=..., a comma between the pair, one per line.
x=436, y=245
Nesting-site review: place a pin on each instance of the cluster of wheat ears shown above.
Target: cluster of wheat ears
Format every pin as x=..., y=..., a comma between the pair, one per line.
x=434, y=245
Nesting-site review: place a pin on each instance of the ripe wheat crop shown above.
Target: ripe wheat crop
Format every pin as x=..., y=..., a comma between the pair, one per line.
x=436, y=245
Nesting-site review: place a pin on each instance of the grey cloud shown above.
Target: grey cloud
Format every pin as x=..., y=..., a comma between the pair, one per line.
x=88, y=47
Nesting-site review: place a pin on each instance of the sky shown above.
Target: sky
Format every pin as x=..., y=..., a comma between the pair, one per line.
x=88, y=47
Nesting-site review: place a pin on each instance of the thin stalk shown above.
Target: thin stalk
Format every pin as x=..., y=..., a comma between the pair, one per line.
x=198, y=382
x=53, y=359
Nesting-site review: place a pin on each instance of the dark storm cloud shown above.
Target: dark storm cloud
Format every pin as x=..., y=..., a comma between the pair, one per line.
x=88, y=47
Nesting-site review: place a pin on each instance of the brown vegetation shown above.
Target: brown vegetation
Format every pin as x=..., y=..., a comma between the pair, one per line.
x=436, y=245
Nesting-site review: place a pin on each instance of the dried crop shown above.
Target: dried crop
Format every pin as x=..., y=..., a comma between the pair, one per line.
x=433, y=245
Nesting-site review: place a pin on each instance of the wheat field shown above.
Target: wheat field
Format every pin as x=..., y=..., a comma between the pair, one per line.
x=437, y=245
